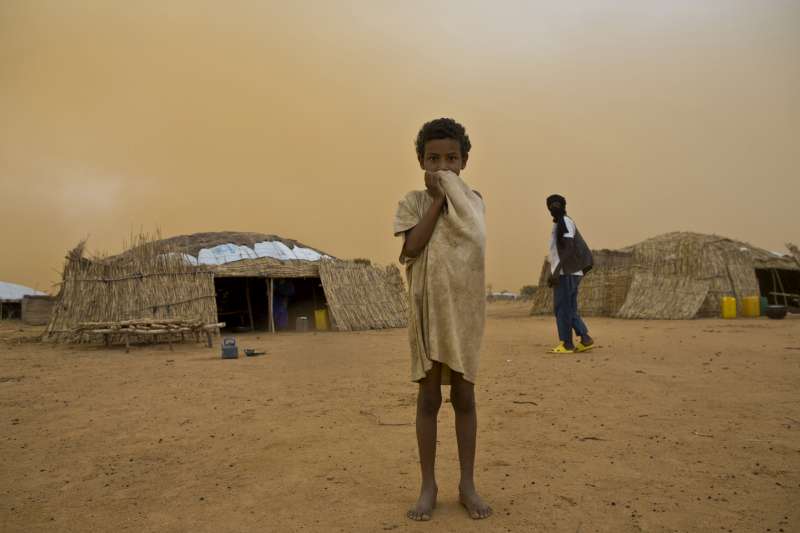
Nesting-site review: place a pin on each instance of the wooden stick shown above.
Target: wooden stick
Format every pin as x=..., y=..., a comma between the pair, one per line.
x=249, y=305
x=271, y=300
x=153, y=332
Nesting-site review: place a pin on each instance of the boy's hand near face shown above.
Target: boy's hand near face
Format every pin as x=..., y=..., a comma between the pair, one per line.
x=433, y=183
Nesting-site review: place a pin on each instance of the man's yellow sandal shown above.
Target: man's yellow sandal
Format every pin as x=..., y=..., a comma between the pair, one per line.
x=561, y=349
x=580, y=347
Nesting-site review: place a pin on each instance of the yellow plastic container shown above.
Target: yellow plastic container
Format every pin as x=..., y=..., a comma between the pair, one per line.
x=321, y=320
x=728, y=307
x=751, y=306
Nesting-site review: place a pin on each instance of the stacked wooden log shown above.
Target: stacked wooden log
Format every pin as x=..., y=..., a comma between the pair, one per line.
x=154, y=329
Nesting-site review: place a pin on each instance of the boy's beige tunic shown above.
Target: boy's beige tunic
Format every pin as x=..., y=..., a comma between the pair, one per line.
x=446, y=282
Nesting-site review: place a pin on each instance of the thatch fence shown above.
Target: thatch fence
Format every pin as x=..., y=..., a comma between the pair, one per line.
x=147, y=283
x=663, y=297
x=361, y=296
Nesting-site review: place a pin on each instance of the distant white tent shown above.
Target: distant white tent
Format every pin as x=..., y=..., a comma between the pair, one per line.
x=11, y=296
x=14, y=293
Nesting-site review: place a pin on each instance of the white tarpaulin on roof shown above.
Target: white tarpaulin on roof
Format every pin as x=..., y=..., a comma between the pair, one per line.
x=227, y=253
x=12, y=291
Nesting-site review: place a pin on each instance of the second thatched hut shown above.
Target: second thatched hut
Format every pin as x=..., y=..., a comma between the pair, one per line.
x=678, y=275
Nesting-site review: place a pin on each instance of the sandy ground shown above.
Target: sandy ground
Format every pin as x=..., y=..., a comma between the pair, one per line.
x=669, y=426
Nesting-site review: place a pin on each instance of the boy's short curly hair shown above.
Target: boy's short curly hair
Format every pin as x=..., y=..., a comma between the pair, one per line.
x=442, y=128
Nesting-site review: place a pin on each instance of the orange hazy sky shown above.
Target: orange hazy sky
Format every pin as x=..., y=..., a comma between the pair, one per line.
x=299, y=118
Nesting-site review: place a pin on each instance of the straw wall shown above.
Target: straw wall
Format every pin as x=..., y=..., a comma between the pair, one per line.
x=663, y=297
x=602, y=290
x=36, y=310
x=146, y=283
x=361, y=296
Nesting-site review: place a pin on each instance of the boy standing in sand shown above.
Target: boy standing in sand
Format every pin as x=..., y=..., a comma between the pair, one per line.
x=570, y=259
x=444, y=239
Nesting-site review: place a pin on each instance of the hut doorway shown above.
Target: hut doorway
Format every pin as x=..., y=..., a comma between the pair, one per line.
x=10, y=310
x=780, y=287
x=294, y=298
x=242, y=303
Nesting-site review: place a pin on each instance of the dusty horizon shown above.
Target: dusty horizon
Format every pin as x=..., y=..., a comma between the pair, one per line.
x=300, y=122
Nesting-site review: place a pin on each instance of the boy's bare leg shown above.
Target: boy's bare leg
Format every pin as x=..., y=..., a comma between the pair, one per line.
x=462, y=396
x=429, y=400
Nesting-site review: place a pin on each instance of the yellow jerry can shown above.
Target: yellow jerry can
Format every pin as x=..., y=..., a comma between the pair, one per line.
x=728, y=307
x=321, y=320
x=751, y=306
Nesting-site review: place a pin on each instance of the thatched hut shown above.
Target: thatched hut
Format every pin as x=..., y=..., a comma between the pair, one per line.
x=678, y=276
x=11, y=296
x=230, y=277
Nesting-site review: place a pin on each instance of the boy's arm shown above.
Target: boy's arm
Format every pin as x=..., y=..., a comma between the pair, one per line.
x=417, y=237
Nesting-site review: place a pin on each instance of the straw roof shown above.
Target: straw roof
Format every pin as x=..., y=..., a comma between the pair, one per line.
x=675, y=275
x=795, y=251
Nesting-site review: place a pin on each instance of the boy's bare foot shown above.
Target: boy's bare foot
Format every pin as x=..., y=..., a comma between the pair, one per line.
x=423, y=509
x=474, y=504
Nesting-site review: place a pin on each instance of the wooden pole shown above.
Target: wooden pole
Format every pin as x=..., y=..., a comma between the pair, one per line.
x=249, y=304
x=270, y=302
x=774, y=284
x=780, y=283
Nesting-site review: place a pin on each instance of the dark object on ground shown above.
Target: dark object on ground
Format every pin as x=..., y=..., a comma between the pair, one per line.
x=776, y=311
x=249, y=352
x=229, y=348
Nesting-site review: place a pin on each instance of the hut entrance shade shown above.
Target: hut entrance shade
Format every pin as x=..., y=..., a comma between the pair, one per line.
x=10, y=310
x=252, y=303
x=780, y=287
